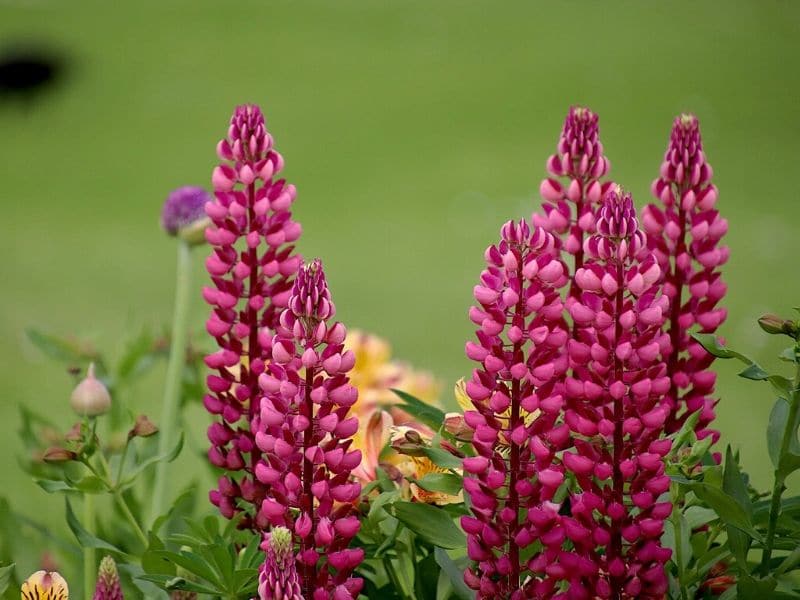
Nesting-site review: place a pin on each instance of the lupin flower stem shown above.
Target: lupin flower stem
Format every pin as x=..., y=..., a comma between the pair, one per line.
x=172, y=386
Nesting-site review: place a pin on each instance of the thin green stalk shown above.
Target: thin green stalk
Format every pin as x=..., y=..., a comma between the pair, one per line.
x=780, y=478
x=88, y=553
x=115, y=491
x=121, y=465
x=172, y=386
x=677, y=523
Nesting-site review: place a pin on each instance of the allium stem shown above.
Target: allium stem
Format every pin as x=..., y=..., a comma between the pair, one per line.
x=780, y=477
x=172, y=386
x=88, y=553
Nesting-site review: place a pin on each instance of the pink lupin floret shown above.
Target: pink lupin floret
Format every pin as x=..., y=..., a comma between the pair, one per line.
x=685, y=234
x=251, y=266
x=305, y=434
x=616, y=411
x=576, y=173
x=517, y=402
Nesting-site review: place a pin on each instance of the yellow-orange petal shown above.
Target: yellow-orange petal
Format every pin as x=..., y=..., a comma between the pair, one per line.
x=45, y=585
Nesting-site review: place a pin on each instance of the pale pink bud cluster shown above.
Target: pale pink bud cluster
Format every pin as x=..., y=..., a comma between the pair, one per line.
x=251, y=266
x=616, y=412
x=277, y=575
x=108, y=586
x=516, y=421
x=580, y=165
x=685, y=235
x=305, y=434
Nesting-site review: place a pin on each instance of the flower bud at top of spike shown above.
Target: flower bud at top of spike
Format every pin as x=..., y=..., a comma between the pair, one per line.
x=617, y=216
x=773, y=324
x=580, y=134
x=90, y=397
x=184, y=214
x=278, y=579
x=143, y=427
x=108, y=586
x=310, y=297
x=45, y=585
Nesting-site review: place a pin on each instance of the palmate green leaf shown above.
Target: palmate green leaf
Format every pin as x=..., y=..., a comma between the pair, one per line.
x=447, y=483
x=733, y=484
x=430, y=523
x=455, y=573
x=726, y=507
x=172, y=583
x=430, y=415
x=193, y=563
x=5, y=577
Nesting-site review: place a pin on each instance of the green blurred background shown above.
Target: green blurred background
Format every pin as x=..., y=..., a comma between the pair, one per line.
x=412, y=130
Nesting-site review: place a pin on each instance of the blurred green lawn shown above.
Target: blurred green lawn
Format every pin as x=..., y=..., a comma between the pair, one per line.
x=412, y=130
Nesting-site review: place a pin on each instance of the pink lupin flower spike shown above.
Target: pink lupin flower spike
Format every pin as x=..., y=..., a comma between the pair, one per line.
x=685, y=237
x=251, y=266
x=580, y=163
x=277, y=575
x=305, y=434
x=108, y=586
x=616, y=410
x=517, y=400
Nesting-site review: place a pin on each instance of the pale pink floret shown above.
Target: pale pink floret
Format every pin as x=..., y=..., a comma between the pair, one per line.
x=251, y=266
x=304, y=432
x=516, y=423
x=685, y=235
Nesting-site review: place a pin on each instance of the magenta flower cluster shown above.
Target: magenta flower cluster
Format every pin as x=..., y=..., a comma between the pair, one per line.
x=304, y=432
x=277, y=575
x=581, y=371
x=251, y=268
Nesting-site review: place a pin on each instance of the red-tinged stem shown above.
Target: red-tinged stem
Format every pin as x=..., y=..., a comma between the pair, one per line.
x=253, y=352
x=615, y=550
x=514, y=466
x=307, y=505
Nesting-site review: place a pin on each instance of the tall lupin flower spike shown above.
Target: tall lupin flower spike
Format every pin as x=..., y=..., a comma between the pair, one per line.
x=517, y=404
x=616, y=410
x=277, y=576
x=305, y=434
x=685, y=237
x=108, y=586
x=580, y=161
x=251, y=266
x=45, y=585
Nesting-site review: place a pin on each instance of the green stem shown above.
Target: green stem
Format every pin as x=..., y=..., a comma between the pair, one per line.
x=172, y=386
x=393, y=577
x=677, y=523
x=780, y=477
x=115, y=491
x=121, y=465
x=88, y=553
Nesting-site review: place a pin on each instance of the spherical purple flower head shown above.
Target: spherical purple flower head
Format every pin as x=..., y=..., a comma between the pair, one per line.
x=252, y=265
x=277, y=575
x=185, y=208
x=575, y=172
x=305, y=434
x=685, y=235
x=108, y=586
x=515, y=391
x=616, y=410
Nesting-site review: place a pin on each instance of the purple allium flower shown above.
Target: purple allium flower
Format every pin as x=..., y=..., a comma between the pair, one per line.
x=251, y=266
x=685, y=237
x=277, y=576
x=305, y=435
x=184, y=212
x=108, y=586
x=518, y=400
x=616, y=409
x=580, y=162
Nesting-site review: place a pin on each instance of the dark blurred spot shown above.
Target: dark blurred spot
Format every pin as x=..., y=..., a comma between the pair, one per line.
x=29, y=72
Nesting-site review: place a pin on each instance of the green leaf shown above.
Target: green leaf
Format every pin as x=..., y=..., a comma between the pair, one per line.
x=733, y=484
x=430, y=523
x=442, y=458
x=455, y=574
x=726, y=507
x=447, y=483
x=171, y=583
x=712, y=345
x=426, y=576
x=790, y=462
x=755, y=372
x=58, y=348
x=5, y=577
x=749, y=587
x=430, y=415
x=167, y=456
x=193, y=563
x=86, y=539
x=54, y=485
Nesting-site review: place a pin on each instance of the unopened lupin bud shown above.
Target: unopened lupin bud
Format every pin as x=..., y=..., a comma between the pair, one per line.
x=278, y=578
x=775, y=325
x=184, y=214
x=90, y=397
x=56, y=454
x=143, y=427
x=108, y=586
x=45, y=585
